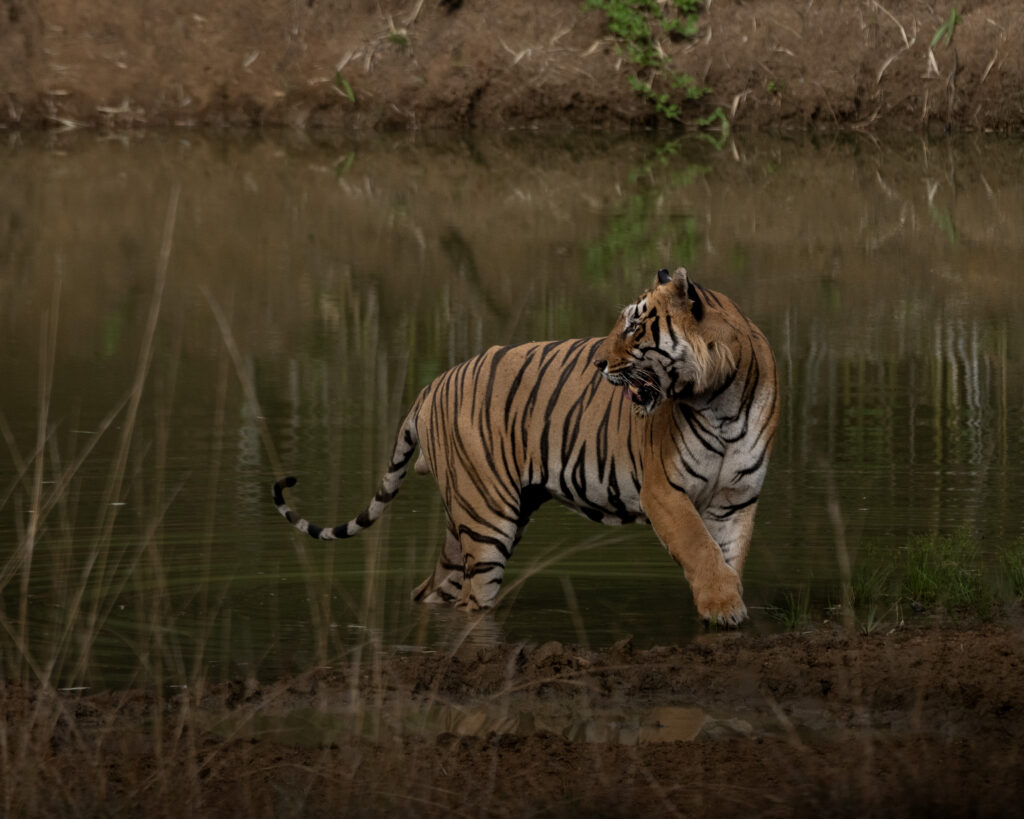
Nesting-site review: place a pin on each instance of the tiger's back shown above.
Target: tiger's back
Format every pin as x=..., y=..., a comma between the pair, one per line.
x=537, y=417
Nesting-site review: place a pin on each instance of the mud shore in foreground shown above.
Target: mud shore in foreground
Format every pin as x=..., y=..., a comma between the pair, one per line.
x=919, y=721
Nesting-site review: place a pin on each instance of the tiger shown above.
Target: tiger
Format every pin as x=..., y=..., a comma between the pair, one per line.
x=668, y=420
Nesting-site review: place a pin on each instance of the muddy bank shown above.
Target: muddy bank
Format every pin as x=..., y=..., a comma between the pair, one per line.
x=826, y=723
x=486, y=64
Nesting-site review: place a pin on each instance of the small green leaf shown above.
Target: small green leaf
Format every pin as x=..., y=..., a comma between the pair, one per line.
x=946, y=29
x=345, y=88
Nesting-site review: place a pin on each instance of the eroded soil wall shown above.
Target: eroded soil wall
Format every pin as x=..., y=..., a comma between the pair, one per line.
x=826, y=64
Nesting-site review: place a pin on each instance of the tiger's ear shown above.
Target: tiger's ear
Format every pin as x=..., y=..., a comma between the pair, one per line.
x=687, y=294
x=681, y=285
x=664, y=277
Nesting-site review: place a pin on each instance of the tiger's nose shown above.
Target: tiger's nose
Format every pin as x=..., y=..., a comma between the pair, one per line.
x=600, y=364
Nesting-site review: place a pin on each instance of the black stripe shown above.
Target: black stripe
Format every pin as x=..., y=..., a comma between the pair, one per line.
x=484, y=566
x=742, y=473
x=671, y=330
x=693, y=292
x=692, y=471
x=514, y=386
x=700, y=433
x=497, y=543
x=732, y=509
x=707, y=295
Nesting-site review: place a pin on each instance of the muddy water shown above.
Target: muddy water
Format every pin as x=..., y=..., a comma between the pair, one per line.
x=311, y=285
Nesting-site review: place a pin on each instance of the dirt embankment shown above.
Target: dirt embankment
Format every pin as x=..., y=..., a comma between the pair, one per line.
x=825, y=64
x=913, y=723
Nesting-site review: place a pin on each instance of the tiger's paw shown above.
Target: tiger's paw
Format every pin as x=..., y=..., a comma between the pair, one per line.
x=720, y=601
x=471, y=604
x=438, y=597
x=436, y=592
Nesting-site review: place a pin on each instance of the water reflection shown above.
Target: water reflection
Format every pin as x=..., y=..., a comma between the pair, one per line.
x=350, y=271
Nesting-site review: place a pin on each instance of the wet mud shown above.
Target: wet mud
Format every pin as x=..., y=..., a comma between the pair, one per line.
x=916, y=721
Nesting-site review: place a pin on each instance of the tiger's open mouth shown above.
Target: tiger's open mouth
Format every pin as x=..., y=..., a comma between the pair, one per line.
x=643, y=396
x=640, y=388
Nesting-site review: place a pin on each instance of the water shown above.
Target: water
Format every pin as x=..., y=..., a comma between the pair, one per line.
x=347, y=272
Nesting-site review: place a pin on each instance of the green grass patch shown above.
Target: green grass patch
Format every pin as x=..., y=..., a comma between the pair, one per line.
x=946, y=574
x=642, y=27
x=872, y=582
x=945, y=571
x=1011, y=566
x=792, y=608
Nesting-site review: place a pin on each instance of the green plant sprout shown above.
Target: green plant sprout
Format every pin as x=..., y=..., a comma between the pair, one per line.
x=794, y=608
x=946, y=29
x=342, y=85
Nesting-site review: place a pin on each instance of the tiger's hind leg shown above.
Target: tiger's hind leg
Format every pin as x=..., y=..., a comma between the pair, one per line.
x=445, y=583
x=485, y=555
x=487, y=544
x=476, y=549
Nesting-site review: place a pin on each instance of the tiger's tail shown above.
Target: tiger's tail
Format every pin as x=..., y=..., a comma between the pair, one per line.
x=405, y=444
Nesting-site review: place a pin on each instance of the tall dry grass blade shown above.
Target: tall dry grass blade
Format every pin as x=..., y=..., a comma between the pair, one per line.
x=574, y=611
x=47, y=353
x=113, y=490
x=319, y=614
x=248, y=388
x=21, y=465
x=835, y=516
x=99, y=552
x=206, y=617
x=903, y=32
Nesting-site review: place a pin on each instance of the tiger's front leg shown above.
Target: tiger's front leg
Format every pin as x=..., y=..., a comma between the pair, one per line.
x=730, y=521
x=716, y=586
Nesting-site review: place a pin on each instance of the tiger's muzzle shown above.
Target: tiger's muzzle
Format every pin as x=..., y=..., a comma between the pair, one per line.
x=641, y=388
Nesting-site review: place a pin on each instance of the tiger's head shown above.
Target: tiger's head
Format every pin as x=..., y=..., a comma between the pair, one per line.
x=667, y=345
